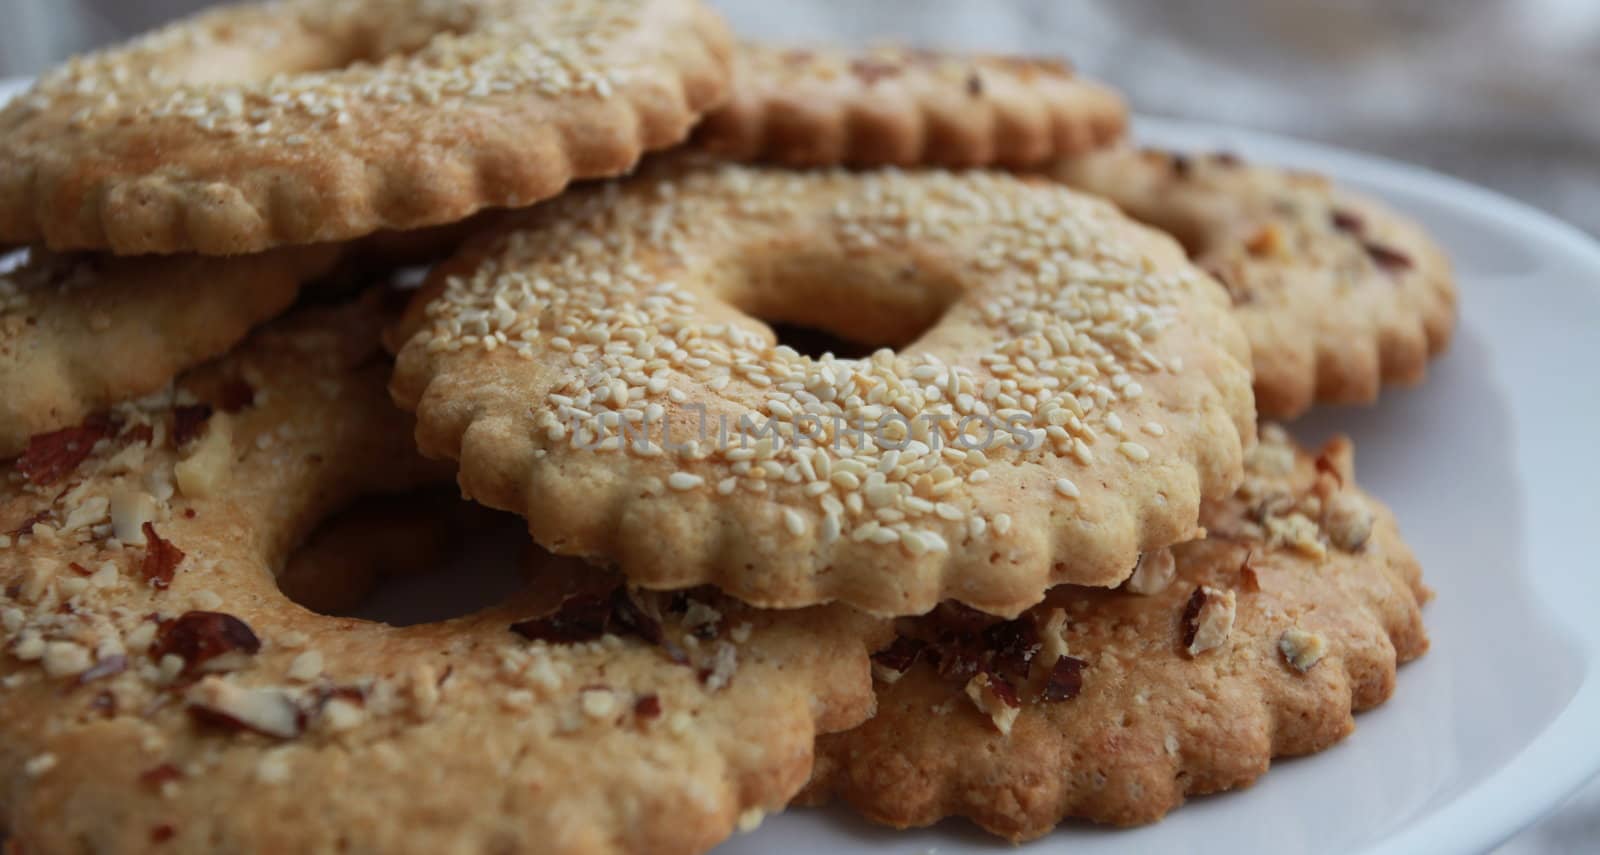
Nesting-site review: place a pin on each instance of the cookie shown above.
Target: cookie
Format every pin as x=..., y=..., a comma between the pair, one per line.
x=1216, y=656
x=80, y=332
x=1056, y=388
x=1338, y=293
x=305, y=121
x=906, y=106
x=157, y=690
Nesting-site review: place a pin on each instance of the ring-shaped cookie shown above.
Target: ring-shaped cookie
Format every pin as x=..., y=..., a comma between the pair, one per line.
x=904, y=106
x=304, y=121
x=1217, y=656
x=81, y=332
x=157, y=690
x=1066, y=389
x=1338, y=293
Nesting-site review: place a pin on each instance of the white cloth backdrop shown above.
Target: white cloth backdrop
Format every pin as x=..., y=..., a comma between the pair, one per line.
x=1501, y=92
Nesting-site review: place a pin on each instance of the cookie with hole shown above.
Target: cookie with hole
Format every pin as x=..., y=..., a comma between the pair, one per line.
x=158, y=687
x=261, y=124
x=1054, y=388
x=80, y=332
x=1339, y=293
x=900, y=106
x=1215, y=657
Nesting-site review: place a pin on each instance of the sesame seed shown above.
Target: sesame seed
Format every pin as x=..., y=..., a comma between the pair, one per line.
x=1065, y=487
x=682, y=481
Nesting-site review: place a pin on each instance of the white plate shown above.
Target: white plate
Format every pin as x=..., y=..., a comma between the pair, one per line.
x=1492, y=470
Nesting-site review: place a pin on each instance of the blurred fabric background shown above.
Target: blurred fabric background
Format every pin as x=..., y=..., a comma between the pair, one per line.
x=1504, y=93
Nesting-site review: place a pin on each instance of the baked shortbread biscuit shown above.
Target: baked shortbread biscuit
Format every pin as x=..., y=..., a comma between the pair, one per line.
x=1338, y=293
x=1216, y=656
x=907, y=106
x=307, y=121
x=158, y=691
x=80, y=332
x=1065, y=388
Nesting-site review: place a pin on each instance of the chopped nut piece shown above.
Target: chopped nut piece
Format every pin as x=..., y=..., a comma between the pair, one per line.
x=1052, y=643
x=207, y=642
x=202, y=472
x=131, y=510
x=161, y=558
x=65, y=659
x=1388, y=258
x=1348, y=521
x=340, y=715
x=1065, y=680
x=892, y=662
x=1297, y=531
x=647, y=707
x=1207, y=619
x=1249, y=581
x=598, y=703
x=52, y=456
x=1154, y=572
x=724, y=662
x=39, y=765
x=306, y=667
x=996, y=699
x=268, y=711
x=108, y=666
x=1302, y=649
x=751, y=820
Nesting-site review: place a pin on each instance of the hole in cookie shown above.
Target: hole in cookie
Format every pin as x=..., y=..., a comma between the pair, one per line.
x=814, y=342
x=820, y=305
x=407, y=559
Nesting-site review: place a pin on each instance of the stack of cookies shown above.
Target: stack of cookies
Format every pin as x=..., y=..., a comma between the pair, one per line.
x=885, y=426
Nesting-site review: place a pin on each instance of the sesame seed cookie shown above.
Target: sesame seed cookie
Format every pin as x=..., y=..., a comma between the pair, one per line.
x=1057, y=388
x=156, y=686
x=907, y=106
x=80, y=332
x=307, y=121
x=1257, y=642
x=1338, y=293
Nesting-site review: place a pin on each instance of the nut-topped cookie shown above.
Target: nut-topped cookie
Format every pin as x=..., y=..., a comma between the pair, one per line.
x=902, y=106
x=1216, y=656
x=1056, y=390
x=1338, y=293
x=159, y=692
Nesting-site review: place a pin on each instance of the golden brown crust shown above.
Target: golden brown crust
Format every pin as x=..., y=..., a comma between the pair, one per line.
x=310, y=121
x=625, y=304
x=1292, y=615
x=1337, y=292
x=905, y=107
x=79, y=333
x=156, y=687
